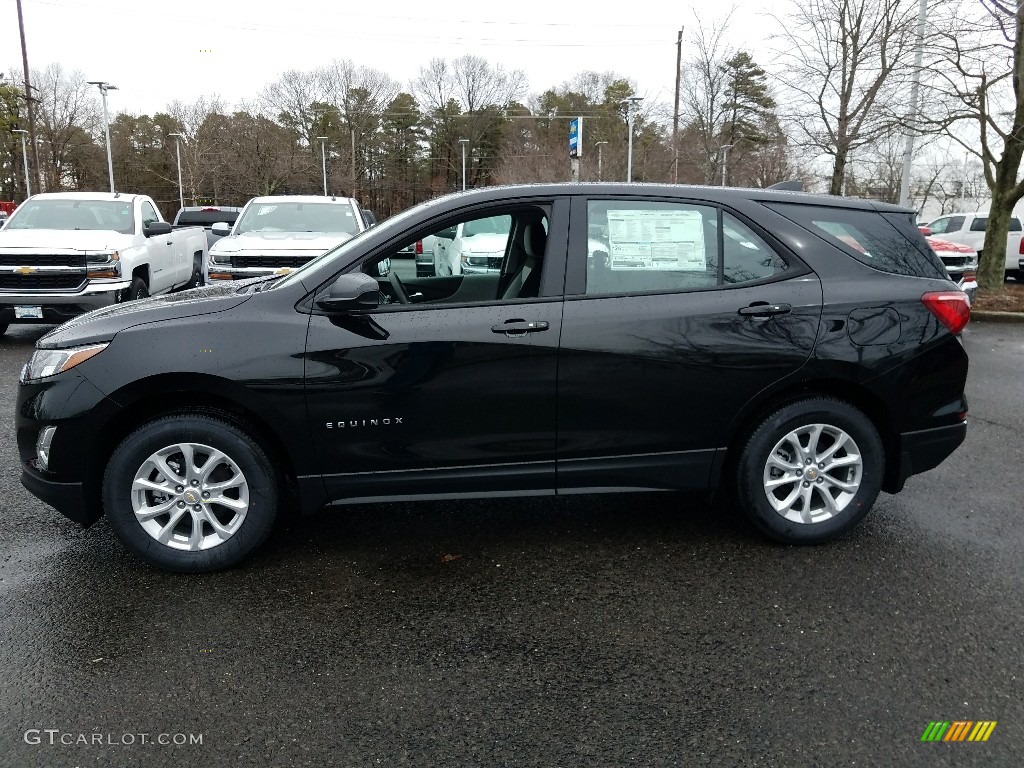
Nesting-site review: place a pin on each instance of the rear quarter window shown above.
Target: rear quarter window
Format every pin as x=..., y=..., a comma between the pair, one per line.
x=889, y=242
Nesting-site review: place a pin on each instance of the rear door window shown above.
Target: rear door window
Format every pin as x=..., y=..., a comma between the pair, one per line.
x=889, y=242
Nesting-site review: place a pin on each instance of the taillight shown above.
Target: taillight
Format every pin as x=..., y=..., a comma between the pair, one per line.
x=953, y=308
x=419, y=247
x=1020, y=250
x=970, y=275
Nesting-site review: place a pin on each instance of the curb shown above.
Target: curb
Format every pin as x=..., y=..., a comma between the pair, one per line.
x=997, y=317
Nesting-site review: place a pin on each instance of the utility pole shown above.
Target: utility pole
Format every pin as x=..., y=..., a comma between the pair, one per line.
x=354, y=181
x=323, y=158
x=24, y=157
x=631, y=102
x=599, y=145
x=29, y=107
x=675, y=111
x=724, y=149
x=915, y=87
x=463, y=142
x=177, y=151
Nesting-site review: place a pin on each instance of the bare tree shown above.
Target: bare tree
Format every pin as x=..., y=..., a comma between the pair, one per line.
x=199, y=148
x=67, y=106
x=702, y=95
x=979, y=79
x=845, y=62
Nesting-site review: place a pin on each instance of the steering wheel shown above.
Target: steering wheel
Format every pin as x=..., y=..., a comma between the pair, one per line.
x=397, y=288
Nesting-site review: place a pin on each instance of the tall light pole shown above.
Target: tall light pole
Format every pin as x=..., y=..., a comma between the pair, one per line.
x=724, y=149
x=323, y=159
x=599, y=145
x=177, y=151
x=463, y=142
x=631, y=102
x=104, y=87
x=24, y=158
x=915, y=87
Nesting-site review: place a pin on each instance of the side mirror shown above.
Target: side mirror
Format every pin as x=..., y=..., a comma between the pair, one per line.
x=221, y=228
x=447, y=234
x=352, y=291
x=155, y=228
x=368, y=218
x=925, y=231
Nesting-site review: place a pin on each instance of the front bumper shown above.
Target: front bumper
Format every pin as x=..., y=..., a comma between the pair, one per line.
x=219, y=272
x=60, y=307
x=67, y=498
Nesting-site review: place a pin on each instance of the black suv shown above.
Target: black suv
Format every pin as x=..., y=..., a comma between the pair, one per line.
x=801, y=352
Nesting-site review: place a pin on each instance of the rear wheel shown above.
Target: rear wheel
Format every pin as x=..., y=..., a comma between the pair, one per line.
x=810, y=471
x=3, y=328
x=197, y=273
x=190, y=493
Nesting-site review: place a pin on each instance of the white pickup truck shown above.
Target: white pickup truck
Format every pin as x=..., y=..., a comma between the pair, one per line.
x=66, y=253
x=276, y=234
x=969, y=229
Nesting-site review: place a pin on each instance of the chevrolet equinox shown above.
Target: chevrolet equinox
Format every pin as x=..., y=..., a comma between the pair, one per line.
x=800, y=352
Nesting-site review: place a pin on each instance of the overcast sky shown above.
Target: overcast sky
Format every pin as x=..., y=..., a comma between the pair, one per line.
x=233, y=48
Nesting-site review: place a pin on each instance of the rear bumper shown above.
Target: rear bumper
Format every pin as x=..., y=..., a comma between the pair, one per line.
x=924, y=450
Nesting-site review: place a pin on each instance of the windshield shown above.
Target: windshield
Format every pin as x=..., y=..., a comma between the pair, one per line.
x=102, y=215
x=298, y=217
x=206, y=217
x=341, y=253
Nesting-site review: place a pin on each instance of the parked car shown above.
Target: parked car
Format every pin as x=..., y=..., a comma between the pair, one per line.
x=275, y=234
x=472, y=247
x=422, y=250
x=801, y=352
x=65, y=253
x=206, y=216
x=961, y=262
x=3, y=218
x=969, y=229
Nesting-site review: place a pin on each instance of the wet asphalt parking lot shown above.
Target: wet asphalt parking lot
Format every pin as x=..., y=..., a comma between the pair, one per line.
x=648, y=630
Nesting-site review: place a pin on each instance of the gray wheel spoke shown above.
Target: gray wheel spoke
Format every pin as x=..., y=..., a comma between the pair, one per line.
x=195, y=539
x=848, y=487
x=832, y=449
x=222, y=531
x=167, y=531
x=188, y=454
x=212, y=462
x=780, y=481
x=156, y=510
x=844, y=461
x=227, y=501
x=828, y=500
x=165, y=469
x=142, y=484
x=234, y=482
x=776, y=461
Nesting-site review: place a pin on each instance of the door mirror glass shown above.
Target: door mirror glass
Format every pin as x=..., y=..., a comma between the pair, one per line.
x=348, y=292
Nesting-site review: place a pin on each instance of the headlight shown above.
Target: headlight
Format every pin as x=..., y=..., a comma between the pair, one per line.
x=102, y=258
x=50, y=362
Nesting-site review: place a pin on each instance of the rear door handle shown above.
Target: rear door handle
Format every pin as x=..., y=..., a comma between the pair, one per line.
x=520, y=327
x=764, y=309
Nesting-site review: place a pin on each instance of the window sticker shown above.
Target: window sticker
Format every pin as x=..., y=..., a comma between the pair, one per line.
x=265, y=209
x=656, y=240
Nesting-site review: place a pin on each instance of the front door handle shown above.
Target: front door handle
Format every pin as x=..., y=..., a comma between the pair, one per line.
x=520, y=327
x=764, y=309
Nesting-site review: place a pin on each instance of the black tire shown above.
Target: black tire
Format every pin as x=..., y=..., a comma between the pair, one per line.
x=197, y=274
x=753, y=467
x=138, y=289
x=248, y=531
x=3, y=328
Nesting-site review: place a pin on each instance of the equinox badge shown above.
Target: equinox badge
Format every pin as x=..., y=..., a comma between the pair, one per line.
x=353, y=423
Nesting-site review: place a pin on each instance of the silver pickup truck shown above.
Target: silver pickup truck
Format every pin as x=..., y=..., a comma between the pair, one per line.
x=65, y=253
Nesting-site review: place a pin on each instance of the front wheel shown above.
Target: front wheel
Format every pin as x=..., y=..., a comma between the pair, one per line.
x=190, y=493
x=196, y=280
x=811, y=471
x=138, y=289
x=3, y=328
